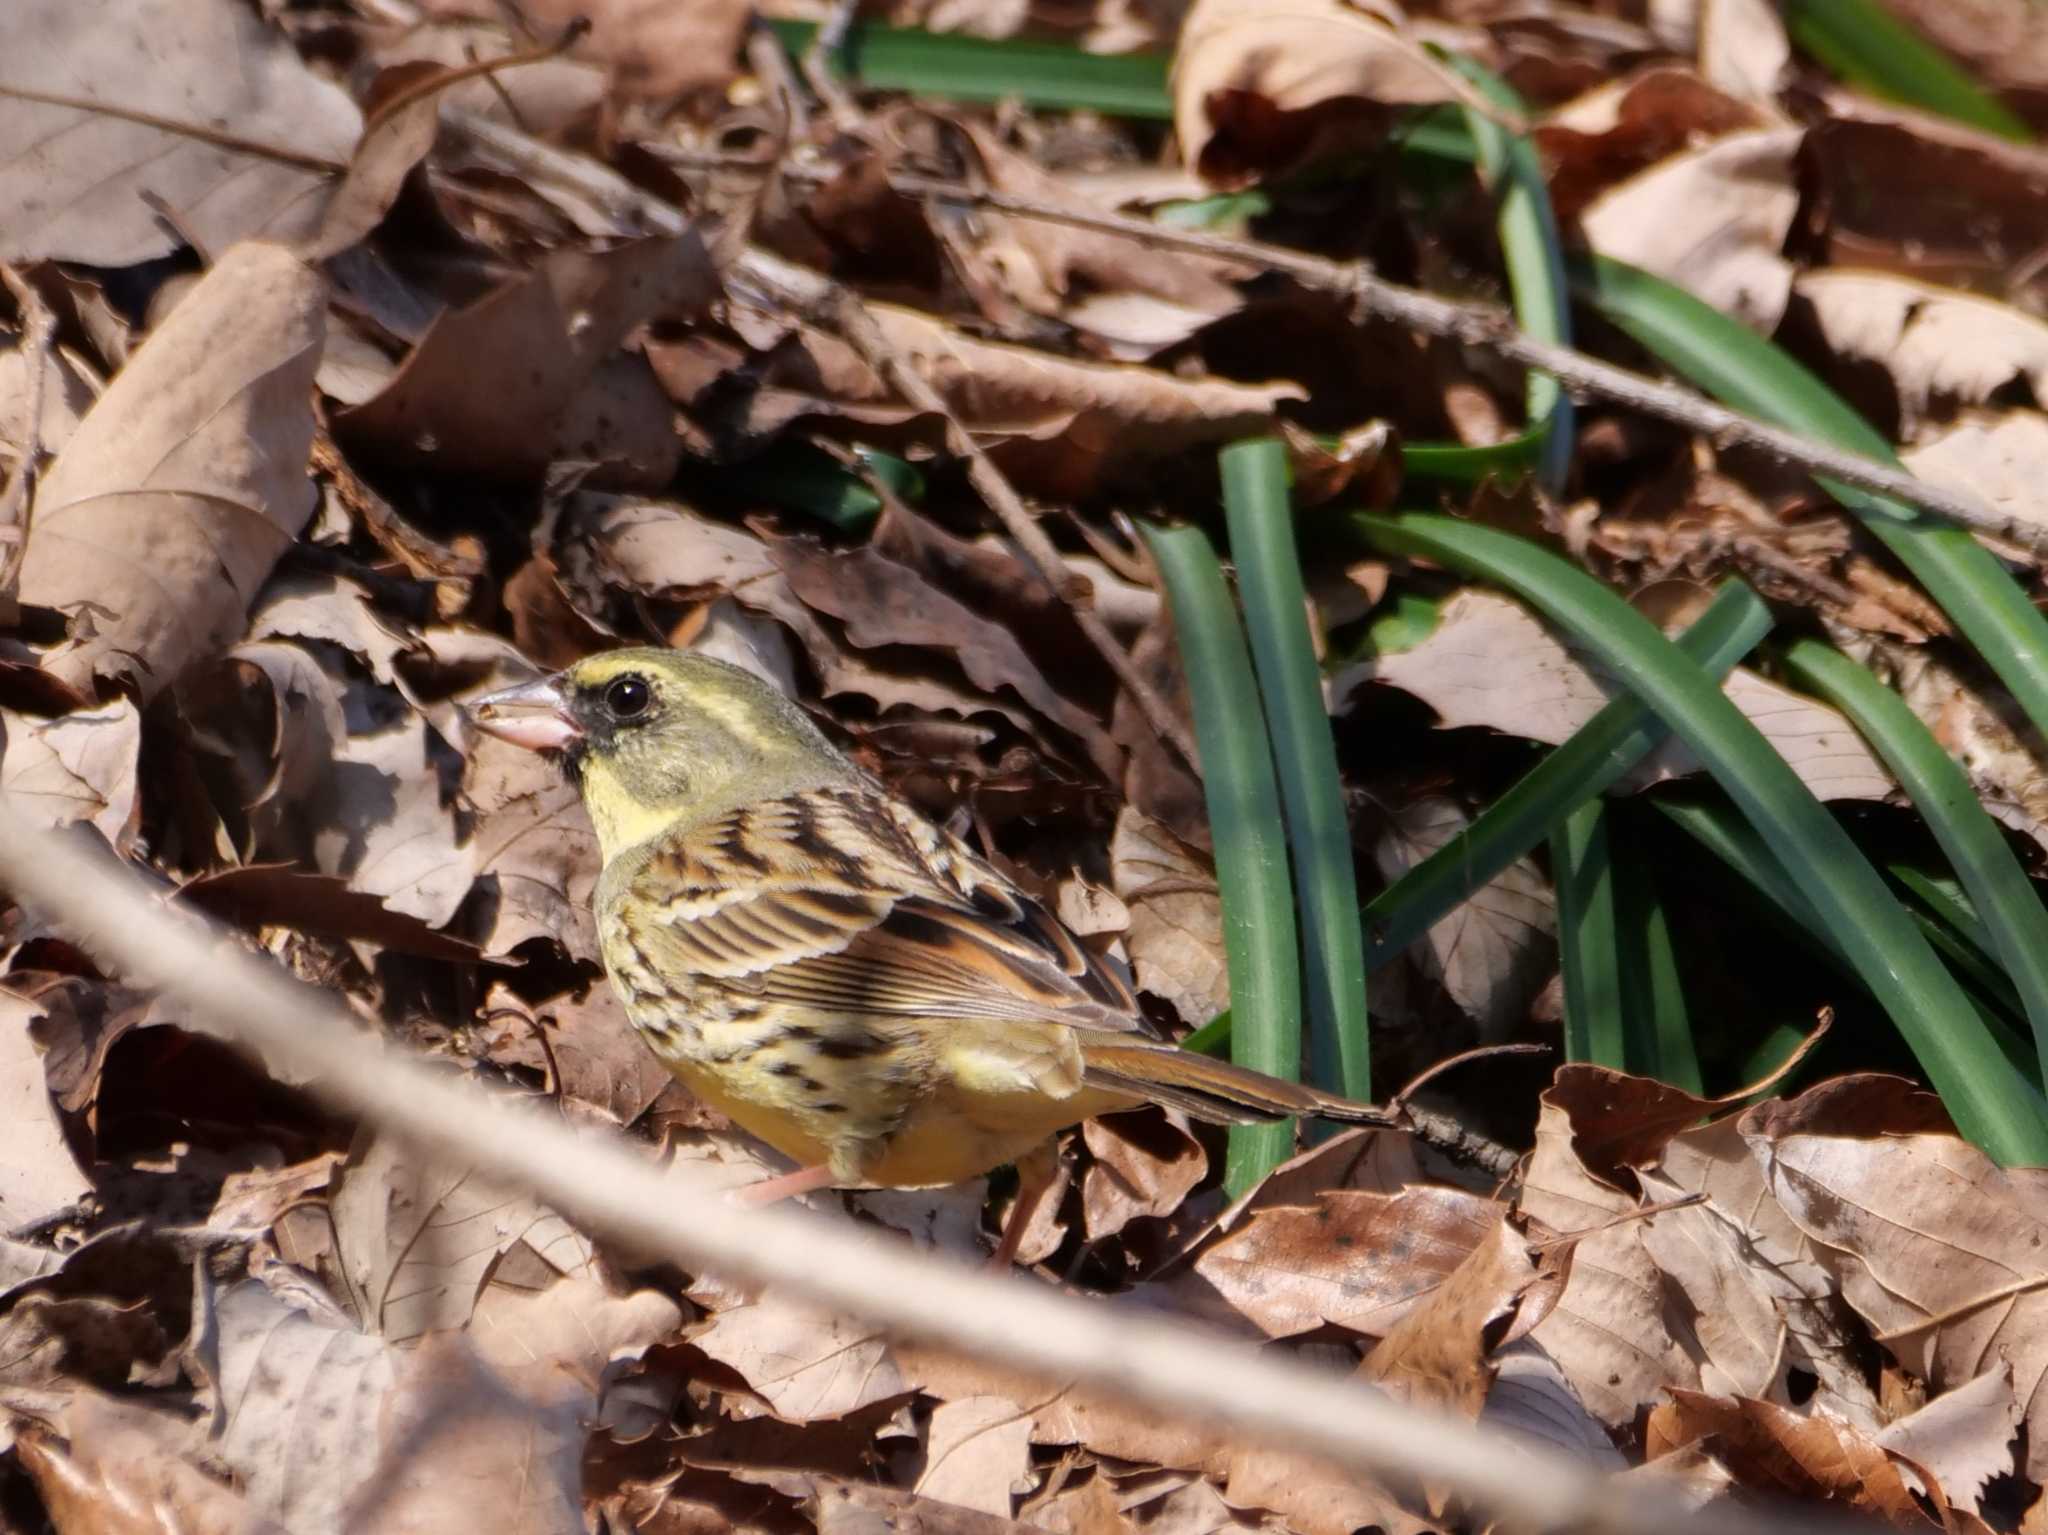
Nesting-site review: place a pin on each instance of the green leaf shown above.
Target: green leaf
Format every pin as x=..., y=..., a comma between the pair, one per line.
x=1940, y=790
x=1246, y=828
x=1049, y=76
x=1269, y=582
x=1729, y=361
x=1990, y=1102
x=1577, y=772
x=1866, y=45
x=1534, y=255
x=1657, y=1026
x=1588, y=949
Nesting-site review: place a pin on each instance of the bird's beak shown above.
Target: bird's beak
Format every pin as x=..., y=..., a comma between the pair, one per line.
x=534, y=715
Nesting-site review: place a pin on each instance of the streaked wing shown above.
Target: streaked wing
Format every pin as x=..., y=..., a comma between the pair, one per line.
x=841, y=901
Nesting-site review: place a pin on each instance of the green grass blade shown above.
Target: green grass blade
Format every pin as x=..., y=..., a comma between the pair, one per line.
x=1584, y=767
x=1656, y=1025
x=1044, y=75
x=1737, y=845
x=1866, y=45
x=1731, y=362
x=1245, y=825
x=1269, y=582
x=1940, y=791
x=1990, y=1102
x=1588, y=947
x=1534, y=256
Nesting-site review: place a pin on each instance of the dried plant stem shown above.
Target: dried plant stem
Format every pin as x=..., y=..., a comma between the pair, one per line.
x=1169, y=1367
x=1483, y=325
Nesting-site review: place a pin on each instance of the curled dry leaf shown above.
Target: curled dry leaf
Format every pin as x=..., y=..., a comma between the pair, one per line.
x=1145, y=1165
x=1711, y=219
x=187, y=479
x=1437, y=1354
x=1792, y=1454
x=1934, y=341
x=1056, y=425
x=536, y=857
x=584, y=1043
x=885, y=603
x=1615, y=1332
x=532, y=374
x=1963, y=1438
x=659, y=549
x=196, y=104
x=1260, y=86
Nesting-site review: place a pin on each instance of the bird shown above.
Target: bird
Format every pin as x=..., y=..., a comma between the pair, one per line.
x=840, y=976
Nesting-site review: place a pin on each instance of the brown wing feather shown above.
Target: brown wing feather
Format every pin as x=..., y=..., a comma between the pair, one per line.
x=841, y=900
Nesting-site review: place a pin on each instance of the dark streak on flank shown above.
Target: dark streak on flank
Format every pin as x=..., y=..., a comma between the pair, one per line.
x=851, y=1047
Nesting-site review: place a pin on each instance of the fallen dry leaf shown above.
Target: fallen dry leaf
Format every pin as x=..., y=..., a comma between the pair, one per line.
x=977, y=1450
x=1933, y=341
x=263, y=137
x=186, y=481
x=38, y=1176
x=1259, y=86
x=531, y=374
x=1933, y=1244
x=1176, y=932
x=1145, y=1165
x=1353, y=1257
x=802, y=1362
x=117, y=1468
x=1495, y=952
x=1789, y=1453
x=1436, y=1354
x=1616, y=1332
x=80, y=766
x=1489, y=662
x=1712, y=220
x=418, y=1242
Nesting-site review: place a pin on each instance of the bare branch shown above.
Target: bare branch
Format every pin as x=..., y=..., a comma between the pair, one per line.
x=1169, y=1367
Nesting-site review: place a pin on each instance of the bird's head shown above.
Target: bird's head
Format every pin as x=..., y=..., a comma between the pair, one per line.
x=662, y=739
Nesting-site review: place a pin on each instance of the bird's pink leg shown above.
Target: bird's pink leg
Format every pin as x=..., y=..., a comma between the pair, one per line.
x=1036, y=1175
x=805, y=1180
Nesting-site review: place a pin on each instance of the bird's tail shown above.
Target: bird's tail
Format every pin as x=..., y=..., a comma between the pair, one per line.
x=1215, y=1090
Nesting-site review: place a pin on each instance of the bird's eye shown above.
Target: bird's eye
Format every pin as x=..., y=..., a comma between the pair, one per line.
x=628, y=698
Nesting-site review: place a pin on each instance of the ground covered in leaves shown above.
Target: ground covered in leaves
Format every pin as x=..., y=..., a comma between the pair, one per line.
x=341, y=381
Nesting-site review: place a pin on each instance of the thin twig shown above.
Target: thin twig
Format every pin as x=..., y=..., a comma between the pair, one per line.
x=1165, y=1366
x=818, y=65
x=1492, y=328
